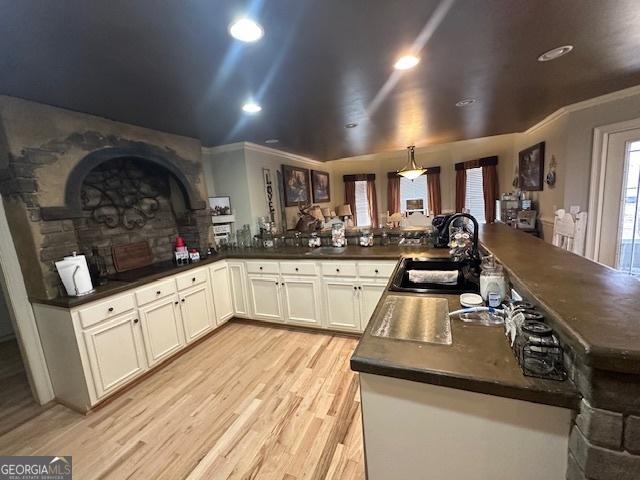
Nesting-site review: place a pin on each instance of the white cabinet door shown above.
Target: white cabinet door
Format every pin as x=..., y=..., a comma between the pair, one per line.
x=369, y=293
x=341, y=297
x=115, y=353
x=198, y=316
x=264, y=292
x=301, y=300
x=221, y=288
x=238, y=278
x=161, y=328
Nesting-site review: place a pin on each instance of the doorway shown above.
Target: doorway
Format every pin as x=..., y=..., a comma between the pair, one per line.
x=615, y=238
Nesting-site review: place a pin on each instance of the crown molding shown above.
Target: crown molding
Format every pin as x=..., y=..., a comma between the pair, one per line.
x=591, y=102
x=254, y=147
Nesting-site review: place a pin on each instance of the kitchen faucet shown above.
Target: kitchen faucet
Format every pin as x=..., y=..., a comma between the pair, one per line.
x=444, y=233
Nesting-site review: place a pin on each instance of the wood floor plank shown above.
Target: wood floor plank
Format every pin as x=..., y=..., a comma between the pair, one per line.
x=250, y=402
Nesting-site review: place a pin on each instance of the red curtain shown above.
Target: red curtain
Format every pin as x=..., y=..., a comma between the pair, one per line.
x=461, y=189
x=350, y=198
x=490, y=191
x=435, y=197
x=373, y=202
x=393, y=194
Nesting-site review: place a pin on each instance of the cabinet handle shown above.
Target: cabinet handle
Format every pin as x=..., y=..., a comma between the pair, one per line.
x=135, y=320
x=175, y=303
x=359, y=288
x=158, y=292
x=282, y=284
x=182, y=300
x=260, y=268
x=355, y=288
x=297, y=269
x=193, y=279
x=337, y=270
x=376, y=270
x=110, y=309
x=276, y=283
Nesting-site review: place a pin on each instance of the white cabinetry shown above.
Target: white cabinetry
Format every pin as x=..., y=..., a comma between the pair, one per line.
x=161, y=328
x=115, y=352
x=301, y=300
x=197, y=313
x=341, y=302
x=222, y=291
x=238, y=281
x=369, y=293
x=264, y=292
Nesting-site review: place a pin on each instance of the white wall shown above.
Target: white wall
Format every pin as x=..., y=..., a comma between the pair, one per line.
x=237, y=170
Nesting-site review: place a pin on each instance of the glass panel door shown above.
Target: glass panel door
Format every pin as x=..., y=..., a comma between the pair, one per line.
x=628, y=255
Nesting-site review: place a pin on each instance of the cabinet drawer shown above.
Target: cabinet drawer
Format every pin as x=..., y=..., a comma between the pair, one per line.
x=383, y=270
x=155, y=291
x=298, y=268
x=263, y=267
x=107, y=309
x=339, y=269
x=189, y=279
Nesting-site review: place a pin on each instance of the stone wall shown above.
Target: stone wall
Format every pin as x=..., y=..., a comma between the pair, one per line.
x=44, y=150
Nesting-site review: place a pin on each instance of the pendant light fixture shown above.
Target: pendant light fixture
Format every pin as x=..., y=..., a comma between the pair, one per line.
x=411, y=170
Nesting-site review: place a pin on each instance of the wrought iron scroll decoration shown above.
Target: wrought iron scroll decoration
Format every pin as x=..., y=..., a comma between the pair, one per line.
x=122, y=194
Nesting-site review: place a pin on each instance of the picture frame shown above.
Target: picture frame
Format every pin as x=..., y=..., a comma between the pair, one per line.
x=531, y=168
x=220, y=206
x=296, y=186
x=320, y=186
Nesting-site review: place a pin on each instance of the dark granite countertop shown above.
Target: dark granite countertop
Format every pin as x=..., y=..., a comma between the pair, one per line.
x=479, y=360
x=592, y=307
x=143, y=276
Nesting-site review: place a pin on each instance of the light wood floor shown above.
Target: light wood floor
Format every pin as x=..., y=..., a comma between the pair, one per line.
x=250, y=402
x=16, y=400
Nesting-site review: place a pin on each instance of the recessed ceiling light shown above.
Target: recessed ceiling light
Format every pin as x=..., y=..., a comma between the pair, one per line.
x=246, y=30
x=555, y=53
x=465, y=102
x=351, y=125
x=271, y=141
x=406, y=62
x=251, y=107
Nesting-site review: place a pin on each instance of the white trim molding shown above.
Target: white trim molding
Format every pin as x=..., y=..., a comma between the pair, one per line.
x=254, y=147
x=574, y=107
x=596, y=184
x=22, y=315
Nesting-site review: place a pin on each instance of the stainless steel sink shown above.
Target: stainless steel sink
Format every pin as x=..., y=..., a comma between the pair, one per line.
x=326, y=251
x=419, y=319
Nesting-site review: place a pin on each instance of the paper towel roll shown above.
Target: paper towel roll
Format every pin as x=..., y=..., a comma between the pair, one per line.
x=74, y=273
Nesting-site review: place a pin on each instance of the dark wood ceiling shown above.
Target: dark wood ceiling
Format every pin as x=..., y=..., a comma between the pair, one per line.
x=171, y=65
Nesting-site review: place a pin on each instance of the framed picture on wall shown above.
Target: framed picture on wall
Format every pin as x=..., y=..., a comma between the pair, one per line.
x=220, y=206
x=531, y=168
x=320, y=186
x=296, y=186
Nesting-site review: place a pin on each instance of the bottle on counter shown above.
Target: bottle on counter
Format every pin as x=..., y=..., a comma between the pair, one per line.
x=493, y=284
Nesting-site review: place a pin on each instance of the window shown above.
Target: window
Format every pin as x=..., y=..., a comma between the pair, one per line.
x=629, y=236
x=362, y=204
x=474, y=195
x=414, y=196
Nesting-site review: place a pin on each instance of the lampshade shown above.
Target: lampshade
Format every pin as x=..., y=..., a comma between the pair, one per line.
x=411, y=170
x=326, y=212
x=344, y=210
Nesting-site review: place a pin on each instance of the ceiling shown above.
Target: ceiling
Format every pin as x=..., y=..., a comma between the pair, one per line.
x=171, y=65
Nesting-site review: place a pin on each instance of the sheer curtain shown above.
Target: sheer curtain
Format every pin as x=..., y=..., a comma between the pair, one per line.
x=393, y=192
x=373, y=202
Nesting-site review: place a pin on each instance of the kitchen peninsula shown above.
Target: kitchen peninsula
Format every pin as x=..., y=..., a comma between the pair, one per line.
x=338, y=289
